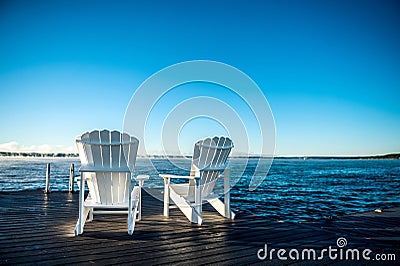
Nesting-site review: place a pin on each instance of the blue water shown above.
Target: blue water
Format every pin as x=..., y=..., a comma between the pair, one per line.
x=294, y=190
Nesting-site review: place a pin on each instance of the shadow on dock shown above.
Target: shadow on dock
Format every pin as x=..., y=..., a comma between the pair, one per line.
x=37, y=228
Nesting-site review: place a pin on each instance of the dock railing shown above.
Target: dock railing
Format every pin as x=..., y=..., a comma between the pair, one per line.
x=72, y=176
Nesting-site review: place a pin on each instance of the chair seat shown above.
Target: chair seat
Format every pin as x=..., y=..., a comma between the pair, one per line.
x=183, y=190
x=90, y=203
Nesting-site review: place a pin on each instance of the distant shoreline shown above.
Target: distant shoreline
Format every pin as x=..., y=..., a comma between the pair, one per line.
x=392, y=156
x=36, y=154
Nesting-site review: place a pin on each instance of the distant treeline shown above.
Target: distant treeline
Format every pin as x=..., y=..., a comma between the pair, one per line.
x=370, y=157
x=389, y=156
x=36, y=154
x=377, y=157
x=165, y=156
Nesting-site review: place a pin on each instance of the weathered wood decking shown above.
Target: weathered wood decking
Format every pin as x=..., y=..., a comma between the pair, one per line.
x=36, y=228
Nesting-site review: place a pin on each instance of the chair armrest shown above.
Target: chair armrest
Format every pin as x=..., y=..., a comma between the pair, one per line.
x=142, y=177
x=178, y=176
x=92, y=169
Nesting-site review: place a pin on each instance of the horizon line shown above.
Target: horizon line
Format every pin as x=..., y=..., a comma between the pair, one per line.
x=73, y=154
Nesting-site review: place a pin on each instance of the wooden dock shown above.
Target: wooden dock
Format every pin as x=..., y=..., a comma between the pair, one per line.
x=37, y=228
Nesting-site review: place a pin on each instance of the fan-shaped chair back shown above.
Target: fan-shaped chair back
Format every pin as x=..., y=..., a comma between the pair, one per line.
x=209, y=159
x=108, y=160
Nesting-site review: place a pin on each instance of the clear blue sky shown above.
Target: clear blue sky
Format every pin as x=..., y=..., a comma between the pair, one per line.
x=329, y=69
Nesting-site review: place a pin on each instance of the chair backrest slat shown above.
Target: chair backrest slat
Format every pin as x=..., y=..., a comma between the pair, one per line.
x=87, y=150
x=105, y=148
x=115, y=149
x=132, y=154
x=125, y=138
x=94, y=137
x=217, y=156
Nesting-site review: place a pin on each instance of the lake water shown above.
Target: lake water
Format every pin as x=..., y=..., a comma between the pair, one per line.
x=294, y=190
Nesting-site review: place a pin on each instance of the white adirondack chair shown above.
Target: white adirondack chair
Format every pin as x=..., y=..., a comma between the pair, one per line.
x=209, y=160
x=107, y=163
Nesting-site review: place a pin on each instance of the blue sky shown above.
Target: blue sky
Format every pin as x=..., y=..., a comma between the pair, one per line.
x=329, y=69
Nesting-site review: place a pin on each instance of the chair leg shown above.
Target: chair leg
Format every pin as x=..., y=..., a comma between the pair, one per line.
x=166, y=196
x=130, y=214
x=82, y=210
x=81, y=221
x=91, y=212
x=132, y=220
x=222, y=208
x=139, y=208
x=227, y=196
x=197, y=201
x=134, y=200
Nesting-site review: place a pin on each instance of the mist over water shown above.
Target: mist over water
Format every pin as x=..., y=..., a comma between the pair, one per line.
x=294, y=190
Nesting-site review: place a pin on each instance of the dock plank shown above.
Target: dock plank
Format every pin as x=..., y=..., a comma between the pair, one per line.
x=37, y=228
